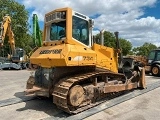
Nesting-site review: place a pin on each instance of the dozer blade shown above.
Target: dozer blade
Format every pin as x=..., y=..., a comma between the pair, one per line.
x=142, y=81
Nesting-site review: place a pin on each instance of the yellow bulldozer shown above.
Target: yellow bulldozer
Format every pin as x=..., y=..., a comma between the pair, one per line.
x=73, y=69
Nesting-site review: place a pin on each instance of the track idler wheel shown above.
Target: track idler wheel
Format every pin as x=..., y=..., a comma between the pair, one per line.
x=76, y=95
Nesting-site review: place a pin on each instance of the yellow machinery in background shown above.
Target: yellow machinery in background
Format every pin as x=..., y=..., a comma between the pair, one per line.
x=74, y=70
x=18, y=58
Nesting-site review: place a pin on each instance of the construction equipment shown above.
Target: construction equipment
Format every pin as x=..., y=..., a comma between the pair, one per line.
x=153, y=62
x=37, y=37
x=74, y=70
x=18, y=58
x=141, y=60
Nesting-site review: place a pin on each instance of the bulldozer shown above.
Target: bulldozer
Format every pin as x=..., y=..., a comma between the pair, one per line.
x=73, y=69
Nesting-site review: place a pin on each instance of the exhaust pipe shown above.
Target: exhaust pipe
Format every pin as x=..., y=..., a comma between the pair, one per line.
x=102, y=36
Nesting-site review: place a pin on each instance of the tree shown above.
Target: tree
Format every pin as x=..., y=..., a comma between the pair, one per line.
x=144, y=49
x=109, y=41
x=126, y=46
x=19, y=18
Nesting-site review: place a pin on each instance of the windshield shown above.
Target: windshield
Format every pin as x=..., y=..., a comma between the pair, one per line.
x=80, y=30
x=158, y=56
x=57, y=30
x=19, y=53
x=151, y=55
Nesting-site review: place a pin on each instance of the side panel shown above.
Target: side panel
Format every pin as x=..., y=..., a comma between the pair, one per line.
x=63, y=55
x=82, y=56
x=107, y=58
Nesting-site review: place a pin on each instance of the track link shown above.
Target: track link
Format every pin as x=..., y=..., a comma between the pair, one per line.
x=61, y=91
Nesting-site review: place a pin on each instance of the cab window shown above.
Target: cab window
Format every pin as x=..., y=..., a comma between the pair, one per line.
x=151, y=55
x=80, y=30
x=158, y=56
x=57, y=30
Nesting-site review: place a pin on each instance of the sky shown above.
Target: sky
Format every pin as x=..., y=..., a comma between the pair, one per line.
x=137, y=21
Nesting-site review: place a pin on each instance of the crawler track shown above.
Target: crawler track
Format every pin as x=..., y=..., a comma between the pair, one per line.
x=105, y=105
x=61, y=91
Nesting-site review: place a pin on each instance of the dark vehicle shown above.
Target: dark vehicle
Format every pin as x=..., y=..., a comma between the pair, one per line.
x=153, y=62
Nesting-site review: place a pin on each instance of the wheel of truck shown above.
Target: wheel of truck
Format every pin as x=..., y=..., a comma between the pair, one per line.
x=155, y=70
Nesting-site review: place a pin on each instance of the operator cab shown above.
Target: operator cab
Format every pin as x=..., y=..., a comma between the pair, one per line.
x=19, y=55
x=67, y=26
x=153, y=56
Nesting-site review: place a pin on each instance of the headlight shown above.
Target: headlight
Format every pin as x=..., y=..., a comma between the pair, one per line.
x=56, y=16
